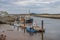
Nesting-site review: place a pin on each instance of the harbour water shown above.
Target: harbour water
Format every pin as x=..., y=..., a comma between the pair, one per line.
x=52, y=30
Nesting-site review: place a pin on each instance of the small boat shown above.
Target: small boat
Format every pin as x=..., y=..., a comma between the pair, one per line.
x=21, y=19
x=38, y=29
x=22, y=26
x=35, y=29
x=31, y=30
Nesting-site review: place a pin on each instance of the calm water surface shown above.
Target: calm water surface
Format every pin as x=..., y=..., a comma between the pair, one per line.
x=52, y=28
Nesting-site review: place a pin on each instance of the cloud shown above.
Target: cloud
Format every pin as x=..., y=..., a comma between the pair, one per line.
x=31, y=2
x=36, y=6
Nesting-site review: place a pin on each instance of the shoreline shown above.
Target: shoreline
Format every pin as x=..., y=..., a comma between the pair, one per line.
x=53, y=16
x=9, y=19
x=48, y=17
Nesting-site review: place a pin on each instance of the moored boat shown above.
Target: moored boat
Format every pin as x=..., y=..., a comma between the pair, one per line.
x=38, y=29
x=26, y=19
x=31, y=30
x=35, y=29
x=29, y=21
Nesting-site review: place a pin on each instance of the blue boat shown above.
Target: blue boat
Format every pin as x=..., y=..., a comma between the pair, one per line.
x=31, y=30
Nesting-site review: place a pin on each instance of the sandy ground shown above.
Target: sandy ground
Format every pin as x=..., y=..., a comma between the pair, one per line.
x=13, y=34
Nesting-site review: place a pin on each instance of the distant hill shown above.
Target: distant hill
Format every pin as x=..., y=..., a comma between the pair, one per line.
x=32, y=13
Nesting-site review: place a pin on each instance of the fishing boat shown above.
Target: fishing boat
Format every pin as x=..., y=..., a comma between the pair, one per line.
x=26, y=19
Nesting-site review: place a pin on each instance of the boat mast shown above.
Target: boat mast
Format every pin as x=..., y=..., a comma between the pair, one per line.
x=29, y=12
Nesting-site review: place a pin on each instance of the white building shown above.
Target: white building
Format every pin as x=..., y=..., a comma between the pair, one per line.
x=3, y=13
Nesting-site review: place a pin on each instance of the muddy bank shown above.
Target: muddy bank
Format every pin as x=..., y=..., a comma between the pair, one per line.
x=7, y=19
x=13, y=34
x=2, y=22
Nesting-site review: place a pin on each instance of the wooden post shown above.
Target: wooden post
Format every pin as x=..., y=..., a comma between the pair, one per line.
x=42, y=30
x=24, y=25
x=42, y=24
x=24, y=20
x=42, y=36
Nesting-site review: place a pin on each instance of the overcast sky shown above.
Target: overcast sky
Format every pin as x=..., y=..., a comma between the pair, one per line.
x=35, y=6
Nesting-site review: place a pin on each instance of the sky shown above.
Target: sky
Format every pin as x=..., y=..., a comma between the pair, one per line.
x=35, y=6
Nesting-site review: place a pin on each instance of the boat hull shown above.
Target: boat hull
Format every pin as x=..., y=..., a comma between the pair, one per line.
x=29, y=21
x=31, y=30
